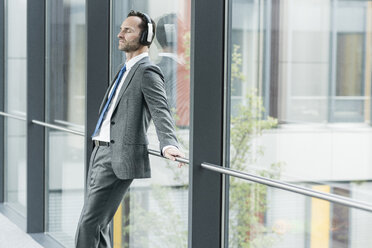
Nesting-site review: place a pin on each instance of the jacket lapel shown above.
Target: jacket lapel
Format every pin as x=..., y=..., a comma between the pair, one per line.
x=128, y=80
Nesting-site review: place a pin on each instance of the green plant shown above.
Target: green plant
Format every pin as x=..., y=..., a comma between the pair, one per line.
x=248, y=201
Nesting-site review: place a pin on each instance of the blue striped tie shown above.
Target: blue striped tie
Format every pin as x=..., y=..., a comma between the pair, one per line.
x=100, y=120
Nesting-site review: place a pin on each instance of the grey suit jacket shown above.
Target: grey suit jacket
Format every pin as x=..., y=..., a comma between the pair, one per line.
x=141, y=98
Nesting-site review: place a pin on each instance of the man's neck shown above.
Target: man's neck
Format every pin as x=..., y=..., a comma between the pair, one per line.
x=133, y=54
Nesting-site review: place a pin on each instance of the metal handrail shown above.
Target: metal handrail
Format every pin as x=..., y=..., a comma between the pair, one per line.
x=290, y=187
x=67, y=123
x=13, y=116
x=257, y=179
x=157, y=153
x=57, y=127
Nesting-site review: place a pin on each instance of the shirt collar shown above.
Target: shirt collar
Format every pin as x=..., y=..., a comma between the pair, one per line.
x=134, y=60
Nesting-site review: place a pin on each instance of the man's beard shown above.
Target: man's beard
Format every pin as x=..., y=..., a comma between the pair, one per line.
x=130, y=46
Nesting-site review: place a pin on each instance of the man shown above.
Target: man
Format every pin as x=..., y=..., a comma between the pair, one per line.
x=120, y=154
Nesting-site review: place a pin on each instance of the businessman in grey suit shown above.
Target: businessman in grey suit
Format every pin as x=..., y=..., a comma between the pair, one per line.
x=120, y=154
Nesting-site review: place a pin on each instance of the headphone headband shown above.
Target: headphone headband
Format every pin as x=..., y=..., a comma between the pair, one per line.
x=147, y=34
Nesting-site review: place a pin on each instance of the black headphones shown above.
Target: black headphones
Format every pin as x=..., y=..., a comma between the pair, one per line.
x=147, y=34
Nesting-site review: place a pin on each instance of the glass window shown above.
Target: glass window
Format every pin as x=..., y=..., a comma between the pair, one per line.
x=65, y=185
x=154, y=212
x=65, y=106
x=299, y=91
x=65, y=63
x=349, y=39
x=15, y=104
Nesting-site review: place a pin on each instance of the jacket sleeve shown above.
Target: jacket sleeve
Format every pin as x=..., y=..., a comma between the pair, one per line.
x=153, y=90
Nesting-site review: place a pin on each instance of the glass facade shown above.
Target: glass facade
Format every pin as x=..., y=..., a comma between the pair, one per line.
x=65, y=107
x=154, y=212
x=300, y=78
x=297, y=79
x=15, y=104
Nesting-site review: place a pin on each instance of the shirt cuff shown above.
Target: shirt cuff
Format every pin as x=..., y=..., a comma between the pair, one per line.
x=166, y=147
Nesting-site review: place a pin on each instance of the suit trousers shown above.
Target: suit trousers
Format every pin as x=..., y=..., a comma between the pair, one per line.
x=104, y=194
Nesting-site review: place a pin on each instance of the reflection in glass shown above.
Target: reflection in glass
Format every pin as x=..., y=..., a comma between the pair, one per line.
x=154, y=211
x=65, y=106
x=15, y=104
x=166, y=35
x=300, y=86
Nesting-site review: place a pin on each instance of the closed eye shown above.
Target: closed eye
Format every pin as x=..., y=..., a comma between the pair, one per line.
x=126, y=30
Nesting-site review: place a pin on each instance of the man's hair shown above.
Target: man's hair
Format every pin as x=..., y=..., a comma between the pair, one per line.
x=143, y=24
x=166, y=31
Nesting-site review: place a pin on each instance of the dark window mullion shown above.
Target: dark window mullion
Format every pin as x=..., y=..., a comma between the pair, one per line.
x=2, y=97
x=207, y=81
x=35, y=111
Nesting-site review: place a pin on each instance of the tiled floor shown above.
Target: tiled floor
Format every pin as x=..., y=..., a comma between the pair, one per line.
x=13, y=237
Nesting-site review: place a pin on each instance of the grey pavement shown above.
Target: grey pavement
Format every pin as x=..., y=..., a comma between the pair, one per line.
x=11, y=236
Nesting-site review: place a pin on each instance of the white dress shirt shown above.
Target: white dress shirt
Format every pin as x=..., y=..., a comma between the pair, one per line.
x=103, y=133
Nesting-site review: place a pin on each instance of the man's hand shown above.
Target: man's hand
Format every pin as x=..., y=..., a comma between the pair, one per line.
x=172, y=152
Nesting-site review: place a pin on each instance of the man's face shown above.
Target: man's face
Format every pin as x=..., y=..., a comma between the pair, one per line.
x=129, y=34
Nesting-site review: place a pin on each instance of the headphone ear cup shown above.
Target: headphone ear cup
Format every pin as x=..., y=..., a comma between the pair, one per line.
x=143, y=39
